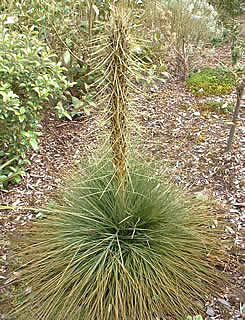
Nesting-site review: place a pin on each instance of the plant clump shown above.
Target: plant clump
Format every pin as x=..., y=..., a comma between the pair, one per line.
x=100, y=255
x=220, y=107
x=208, y=82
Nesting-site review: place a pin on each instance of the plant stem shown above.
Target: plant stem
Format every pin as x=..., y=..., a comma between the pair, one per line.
x=240, y=96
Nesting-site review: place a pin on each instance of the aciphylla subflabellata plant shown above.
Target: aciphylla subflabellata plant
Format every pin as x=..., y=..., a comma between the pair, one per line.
x=120, y=242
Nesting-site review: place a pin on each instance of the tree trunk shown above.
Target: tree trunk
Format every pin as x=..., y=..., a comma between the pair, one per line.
x=240, y=98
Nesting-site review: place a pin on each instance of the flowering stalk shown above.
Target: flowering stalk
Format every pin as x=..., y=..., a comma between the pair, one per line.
x=118, y=106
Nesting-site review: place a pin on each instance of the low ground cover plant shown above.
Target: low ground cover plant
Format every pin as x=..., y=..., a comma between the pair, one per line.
x=210, y=81
x=219, y=107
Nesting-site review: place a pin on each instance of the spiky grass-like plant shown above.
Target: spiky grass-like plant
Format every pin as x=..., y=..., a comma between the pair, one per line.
x=98, y=255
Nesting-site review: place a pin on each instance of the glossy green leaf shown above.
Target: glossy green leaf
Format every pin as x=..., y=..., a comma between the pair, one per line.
x=34, y=144
x=76, y=102
x=22, y=110
x=21, y=118
x=67, y=57
x=87, y=111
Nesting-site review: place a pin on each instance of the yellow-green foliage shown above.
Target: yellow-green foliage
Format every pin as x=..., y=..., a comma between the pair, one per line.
x=210, y=82
x=219, y=107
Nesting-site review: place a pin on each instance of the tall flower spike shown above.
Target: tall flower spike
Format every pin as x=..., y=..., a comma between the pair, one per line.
x=119, y=50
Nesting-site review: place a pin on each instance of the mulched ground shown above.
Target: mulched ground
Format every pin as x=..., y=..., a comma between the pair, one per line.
x=187, y=139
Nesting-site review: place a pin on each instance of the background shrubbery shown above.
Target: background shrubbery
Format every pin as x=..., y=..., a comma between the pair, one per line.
x=192, y=24
x=227, y=8
x=29, y=78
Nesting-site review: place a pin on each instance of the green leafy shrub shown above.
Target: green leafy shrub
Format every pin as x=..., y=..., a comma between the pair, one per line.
x=211, y=82
x=105, y=254
x=29, y=78
x=218, y=41
x=227, y=8
x=6, y=175
x=67, y=28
